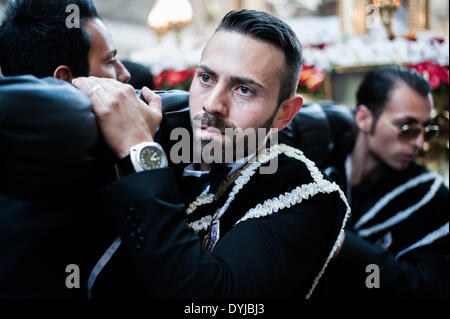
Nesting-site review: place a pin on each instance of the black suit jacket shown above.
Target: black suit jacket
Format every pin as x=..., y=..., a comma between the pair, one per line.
x=277, y=256
x=405, y=271
x=51, y=166
x=48, y=213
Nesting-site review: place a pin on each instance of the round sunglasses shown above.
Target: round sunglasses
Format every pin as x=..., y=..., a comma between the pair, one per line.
x=408, y=132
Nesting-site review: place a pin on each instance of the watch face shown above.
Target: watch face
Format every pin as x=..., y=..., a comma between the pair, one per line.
x=151, y=157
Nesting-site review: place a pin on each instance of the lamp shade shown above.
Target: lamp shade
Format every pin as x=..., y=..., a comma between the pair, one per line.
x=168, y=13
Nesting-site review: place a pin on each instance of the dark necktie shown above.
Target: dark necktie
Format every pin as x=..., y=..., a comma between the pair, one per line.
x=217, y=174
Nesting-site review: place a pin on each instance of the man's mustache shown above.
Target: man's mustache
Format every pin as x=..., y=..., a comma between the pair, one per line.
x=209, y=120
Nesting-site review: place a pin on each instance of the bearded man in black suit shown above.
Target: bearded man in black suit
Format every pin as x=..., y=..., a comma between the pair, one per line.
x=249, y=230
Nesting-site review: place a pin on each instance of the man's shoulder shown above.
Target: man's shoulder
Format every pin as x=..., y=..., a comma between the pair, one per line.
x=295, y=192
x=290, y=166
x=295, y=180
x=420, y=172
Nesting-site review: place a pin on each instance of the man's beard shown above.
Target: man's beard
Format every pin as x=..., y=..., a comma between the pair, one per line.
x=239, y=145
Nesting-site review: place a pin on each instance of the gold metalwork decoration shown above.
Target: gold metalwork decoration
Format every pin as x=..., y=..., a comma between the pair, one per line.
x=388, y=8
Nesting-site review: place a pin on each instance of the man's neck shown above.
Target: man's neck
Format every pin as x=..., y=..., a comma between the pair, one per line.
x=240, y=161
x=364, y=166
x=235, y=165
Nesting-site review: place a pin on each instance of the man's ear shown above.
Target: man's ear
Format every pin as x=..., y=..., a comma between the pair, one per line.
x=364, y=119
x=286, y=112
x=63, y=73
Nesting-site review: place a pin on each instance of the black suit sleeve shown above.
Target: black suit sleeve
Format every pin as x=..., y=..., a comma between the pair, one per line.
x=276, y=256
x=423, y=272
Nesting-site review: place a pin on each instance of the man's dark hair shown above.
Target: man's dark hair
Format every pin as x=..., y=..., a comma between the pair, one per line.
x=263, y=26
x=34, y=38
x=378, y=84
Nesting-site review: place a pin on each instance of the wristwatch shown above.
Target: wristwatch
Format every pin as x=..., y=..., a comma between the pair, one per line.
x=147, y=155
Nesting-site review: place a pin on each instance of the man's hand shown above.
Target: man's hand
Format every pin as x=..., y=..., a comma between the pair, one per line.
x=123, y=118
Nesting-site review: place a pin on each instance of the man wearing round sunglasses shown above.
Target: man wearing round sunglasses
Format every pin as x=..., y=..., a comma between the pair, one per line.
x=396, y=244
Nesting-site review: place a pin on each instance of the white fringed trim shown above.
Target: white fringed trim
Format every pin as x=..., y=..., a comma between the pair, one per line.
x=200, y=201
x=335, y=246
x=244, y=177
x=428, y=239
x=293, y=198
x=287, y=200
x=202, y=224
x=240, y=178
x=402, y=215
x=386, y=199
x=300, y=193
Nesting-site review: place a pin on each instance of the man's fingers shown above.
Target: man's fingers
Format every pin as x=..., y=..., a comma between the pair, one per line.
x=147, y=94
x=84, y=84
x=152, y=99
x=94, y=88
x=118, y=110
x=91, y=84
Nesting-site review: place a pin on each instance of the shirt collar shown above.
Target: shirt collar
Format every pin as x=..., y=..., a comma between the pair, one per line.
x=235, y=166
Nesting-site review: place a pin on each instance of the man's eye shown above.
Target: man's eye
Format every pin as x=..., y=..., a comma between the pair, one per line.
x=245, y=90
x=205, y=78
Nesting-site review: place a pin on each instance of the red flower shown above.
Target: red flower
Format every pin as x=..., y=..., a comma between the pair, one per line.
x=321, y=46
x=305, y=75
x=191, y=74
x=175, y=78
x=159, y=80
x=439, y=40
x=315, y=81
x=311, y=77
x=433, y=72
x=171, y=79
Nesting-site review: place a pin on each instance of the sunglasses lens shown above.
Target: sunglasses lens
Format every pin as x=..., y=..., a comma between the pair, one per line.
x=410, y=133
x=413, y=132
x=431, y=132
